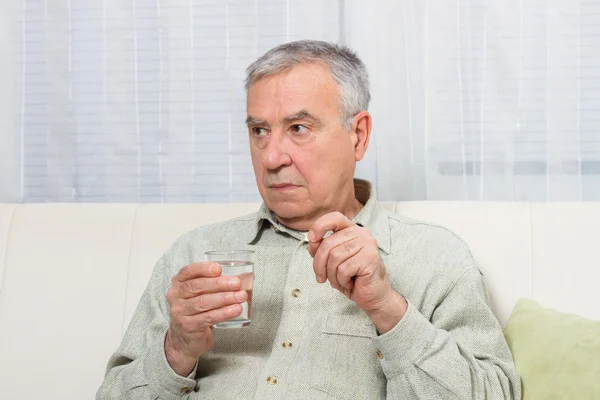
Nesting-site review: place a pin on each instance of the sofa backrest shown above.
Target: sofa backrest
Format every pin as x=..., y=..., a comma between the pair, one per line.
x=72, y=274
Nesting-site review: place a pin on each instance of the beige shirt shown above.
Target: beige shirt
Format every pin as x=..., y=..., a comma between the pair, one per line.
x=308, y=341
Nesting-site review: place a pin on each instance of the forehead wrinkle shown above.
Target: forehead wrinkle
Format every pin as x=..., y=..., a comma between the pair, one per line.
x=302, y=114
x=280, y=89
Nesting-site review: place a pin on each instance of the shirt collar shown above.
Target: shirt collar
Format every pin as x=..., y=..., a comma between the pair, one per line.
x=372, y=216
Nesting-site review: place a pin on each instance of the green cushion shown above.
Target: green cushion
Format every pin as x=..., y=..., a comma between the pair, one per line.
x=556, y=354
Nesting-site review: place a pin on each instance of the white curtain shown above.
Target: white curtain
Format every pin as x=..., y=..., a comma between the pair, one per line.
x=483, y=100
x=143, y=101
x=140, y=100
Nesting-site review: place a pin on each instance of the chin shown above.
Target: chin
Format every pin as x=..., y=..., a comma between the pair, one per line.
x=286, y=209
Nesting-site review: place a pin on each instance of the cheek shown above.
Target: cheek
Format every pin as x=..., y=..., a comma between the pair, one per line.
x=257, y=165
x=319, y=168
x=330, y=160
x=307, y=165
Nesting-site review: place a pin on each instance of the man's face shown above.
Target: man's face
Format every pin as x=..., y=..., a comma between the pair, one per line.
x=303, y=158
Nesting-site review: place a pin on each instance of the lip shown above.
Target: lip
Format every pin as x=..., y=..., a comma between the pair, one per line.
x=283, y=187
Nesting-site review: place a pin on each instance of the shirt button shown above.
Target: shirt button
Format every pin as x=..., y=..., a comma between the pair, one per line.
x=287, y=344
x=379, y=354
x=305, y=244
x=186, y=390
x=296, y=293
x=271, y=380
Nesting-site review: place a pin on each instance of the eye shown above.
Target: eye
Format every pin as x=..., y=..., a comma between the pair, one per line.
x=298, y=129
x=260, y=132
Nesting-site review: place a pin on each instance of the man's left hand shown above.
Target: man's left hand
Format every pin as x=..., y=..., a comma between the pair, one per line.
x=349, y=259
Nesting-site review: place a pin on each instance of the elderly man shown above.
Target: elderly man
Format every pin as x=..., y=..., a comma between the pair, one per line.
x=382, y=307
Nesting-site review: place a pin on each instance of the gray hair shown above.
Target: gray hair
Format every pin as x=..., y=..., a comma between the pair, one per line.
x=347, y=69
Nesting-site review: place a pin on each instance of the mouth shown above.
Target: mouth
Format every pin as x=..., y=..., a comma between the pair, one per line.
x=283, y=187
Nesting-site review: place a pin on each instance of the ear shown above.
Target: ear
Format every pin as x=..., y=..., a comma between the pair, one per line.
x=361, y=131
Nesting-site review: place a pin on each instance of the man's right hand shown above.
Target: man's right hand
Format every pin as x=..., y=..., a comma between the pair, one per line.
x=199, y=298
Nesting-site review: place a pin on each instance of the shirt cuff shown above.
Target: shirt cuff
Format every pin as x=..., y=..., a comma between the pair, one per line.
x=400, y=348
x=165, y=382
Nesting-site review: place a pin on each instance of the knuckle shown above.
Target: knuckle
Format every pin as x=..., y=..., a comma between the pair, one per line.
x=347, y=247
x=170, y=296
x=351, y=265
x=223, y=282
x=184, y=286
x=184, y=307
x=176, y=312
x=369, y=238
x=209, y=319
x=234, y=310
x=185, y=272
x=227, y=298
x=318, y=224
x=189, y=307
x=344, y=268
x=192, y=286
x=336, y=254
x=201, y=303
x=195, y=286
x=325, y=245
x=365, y=231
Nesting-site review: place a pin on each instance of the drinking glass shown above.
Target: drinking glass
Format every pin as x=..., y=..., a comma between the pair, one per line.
x=238, y=263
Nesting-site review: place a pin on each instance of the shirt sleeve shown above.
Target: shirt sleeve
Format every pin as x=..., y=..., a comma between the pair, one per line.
x=460, y=353
x=139, y=369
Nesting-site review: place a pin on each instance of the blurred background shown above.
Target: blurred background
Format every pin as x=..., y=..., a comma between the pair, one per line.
x=143, y=100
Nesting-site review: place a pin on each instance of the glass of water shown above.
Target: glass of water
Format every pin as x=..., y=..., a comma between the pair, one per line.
x=238, y=263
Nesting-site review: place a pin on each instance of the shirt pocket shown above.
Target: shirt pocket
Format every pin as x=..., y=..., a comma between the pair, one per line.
x=344, y=362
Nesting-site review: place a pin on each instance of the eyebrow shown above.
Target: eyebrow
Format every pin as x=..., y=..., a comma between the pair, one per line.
x=250, y=120
x=302, y=114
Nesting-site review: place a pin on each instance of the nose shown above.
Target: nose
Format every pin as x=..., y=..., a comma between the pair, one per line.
x=276, y=153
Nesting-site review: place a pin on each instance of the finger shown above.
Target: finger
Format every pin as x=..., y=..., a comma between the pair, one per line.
x=334, y=221
x=198, y=270
x=212, y=301
x=329, y=242
x=194, y=287
x=210, y=318
x=347, y=271
x=324, y=248
x=332, y=240
x=338, y=256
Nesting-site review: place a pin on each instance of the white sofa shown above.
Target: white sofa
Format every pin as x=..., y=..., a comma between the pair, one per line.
x=71, y=275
